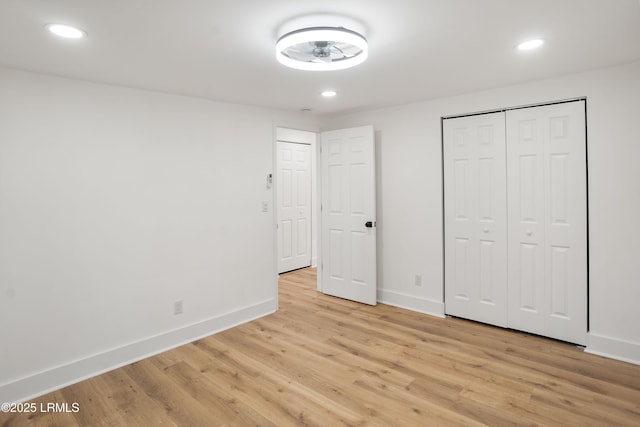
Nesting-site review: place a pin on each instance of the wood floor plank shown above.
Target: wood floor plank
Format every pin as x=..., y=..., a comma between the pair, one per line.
x=131, y=405
x=177, y=403
x=241, y=384
x=96, y=406
x=335, y=361
x=324, y=361
x=224, y=407
x=300, y=403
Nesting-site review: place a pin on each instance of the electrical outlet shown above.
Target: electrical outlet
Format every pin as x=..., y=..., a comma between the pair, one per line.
x=177, y=307
x=265, y=206
x=418, y=280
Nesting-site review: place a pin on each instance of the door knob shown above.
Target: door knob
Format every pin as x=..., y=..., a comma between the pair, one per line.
x=485, y=230
x=368, y=224
x=529, y=232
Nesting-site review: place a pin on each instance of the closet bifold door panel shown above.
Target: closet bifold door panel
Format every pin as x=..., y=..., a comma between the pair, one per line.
x=515, y=219
x=475, y=218
x=547, y=220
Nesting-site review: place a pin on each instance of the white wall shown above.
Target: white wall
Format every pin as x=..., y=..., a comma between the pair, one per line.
x=114, y=203
x=410, y=196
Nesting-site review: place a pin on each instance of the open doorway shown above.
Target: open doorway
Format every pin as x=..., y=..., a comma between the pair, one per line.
x=345, y=244
x=296, y=194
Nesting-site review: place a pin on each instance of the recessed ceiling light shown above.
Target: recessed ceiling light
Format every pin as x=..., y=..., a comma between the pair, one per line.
x=322, y=49
x=66, y=31
x=531, y=44
x=329, y=93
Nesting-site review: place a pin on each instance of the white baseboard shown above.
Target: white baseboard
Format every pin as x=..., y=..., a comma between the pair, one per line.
x=411, y=302
x=53, y=379
x=613, y=348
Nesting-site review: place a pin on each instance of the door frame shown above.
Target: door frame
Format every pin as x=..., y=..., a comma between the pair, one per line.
x=298, y=136
x=287, y=134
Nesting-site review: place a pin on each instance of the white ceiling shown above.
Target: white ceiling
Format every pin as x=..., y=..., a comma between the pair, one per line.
x=224, y=49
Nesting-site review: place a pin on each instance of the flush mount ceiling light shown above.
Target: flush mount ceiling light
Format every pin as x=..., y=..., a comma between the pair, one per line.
x=322, y=48
x=66, y=31
x=531, y=44
x=329, y=93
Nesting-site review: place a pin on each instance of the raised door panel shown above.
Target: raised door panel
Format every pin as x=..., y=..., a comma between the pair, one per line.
x=547, y=220
x=475, y=218
x=459, y=281
x=302, y=244
x=335, y=265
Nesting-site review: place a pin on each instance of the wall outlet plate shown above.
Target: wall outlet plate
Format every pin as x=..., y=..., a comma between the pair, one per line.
x=177, y=307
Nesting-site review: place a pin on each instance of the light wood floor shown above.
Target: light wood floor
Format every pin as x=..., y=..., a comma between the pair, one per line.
x=327, y=362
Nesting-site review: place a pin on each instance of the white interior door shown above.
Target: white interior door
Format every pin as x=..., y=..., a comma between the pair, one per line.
x=475, y=218
x=348, y=230
x=548, y=220
x=293, y=205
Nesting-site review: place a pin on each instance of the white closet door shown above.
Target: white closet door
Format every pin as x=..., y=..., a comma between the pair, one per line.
x=294, y=205
x=546, y=178
x=475, y=218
